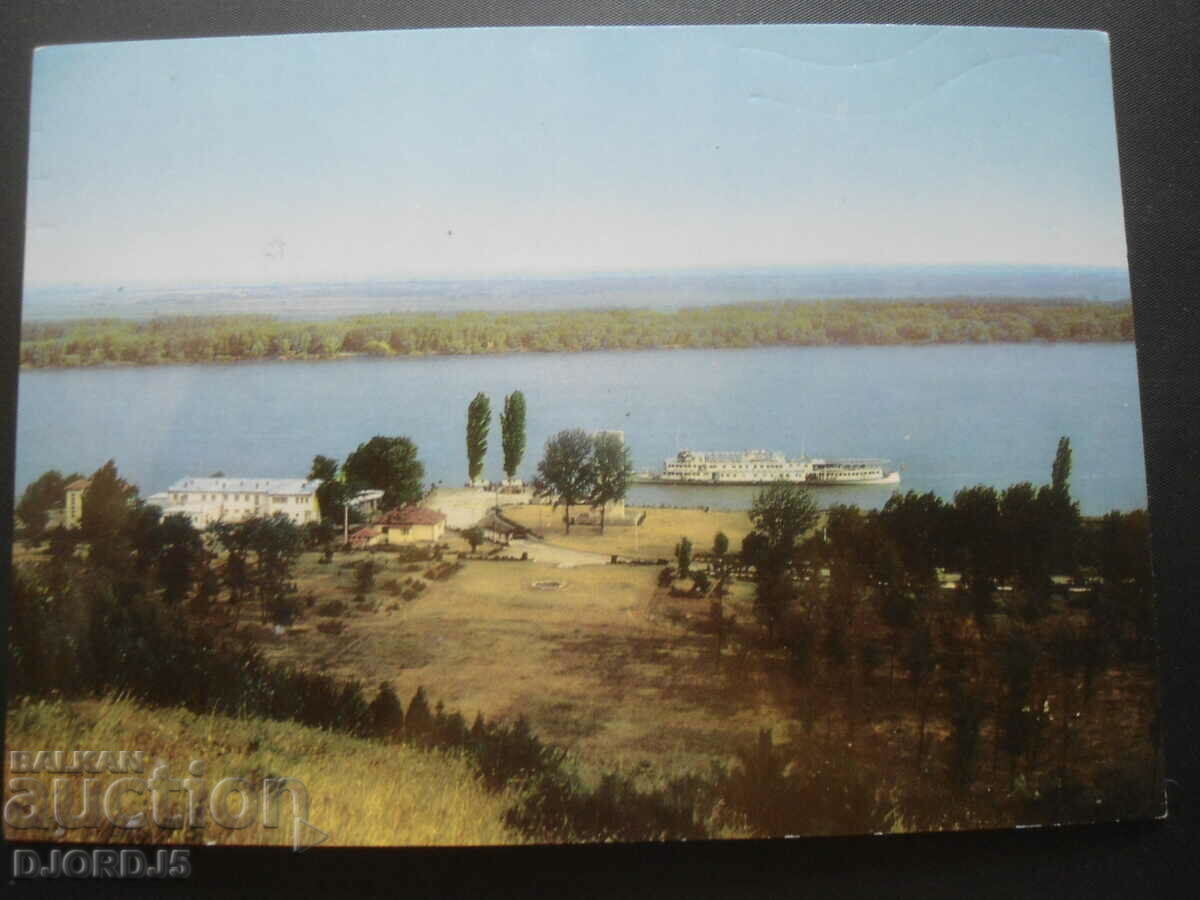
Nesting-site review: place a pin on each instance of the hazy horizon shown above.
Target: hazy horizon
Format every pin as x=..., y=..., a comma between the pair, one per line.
x=569, y=152
x=662, y=290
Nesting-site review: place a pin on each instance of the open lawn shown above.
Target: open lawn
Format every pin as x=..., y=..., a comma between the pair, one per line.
x=606, y=665
x=655, y=538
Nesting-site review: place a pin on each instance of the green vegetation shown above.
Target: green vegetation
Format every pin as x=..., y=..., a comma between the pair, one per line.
x=565, y=473
x=46, y=493
x=97, y=342
x=976, y=663
x=388, y=464
x=512, y=432
x=612, y=469
x=479, y=418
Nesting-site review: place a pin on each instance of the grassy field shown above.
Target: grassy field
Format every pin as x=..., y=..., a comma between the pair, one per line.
x=656, y=537
x=606, y=665
x=361, y=793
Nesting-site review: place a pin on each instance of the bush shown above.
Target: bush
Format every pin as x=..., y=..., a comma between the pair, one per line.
x=332, y=608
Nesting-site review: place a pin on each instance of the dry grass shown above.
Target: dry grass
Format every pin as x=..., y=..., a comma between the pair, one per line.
x=362, y=793
x=656, y=537
x=608, y=666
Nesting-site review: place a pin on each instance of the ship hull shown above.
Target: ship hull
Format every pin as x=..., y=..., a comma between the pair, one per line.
x=890, y=478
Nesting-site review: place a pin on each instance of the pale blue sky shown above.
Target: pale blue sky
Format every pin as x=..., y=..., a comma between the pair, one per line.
x=489, y=151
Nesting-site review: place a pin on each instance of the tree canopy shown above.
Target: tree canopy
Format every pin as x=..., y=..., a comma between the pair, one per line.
x=388, y=464
x=33, y=509
x=566, y=473
x=512, y=432
x=612, y=468
x=782, y=512
x=479, y=419
x=97, y=342
x=106, y=513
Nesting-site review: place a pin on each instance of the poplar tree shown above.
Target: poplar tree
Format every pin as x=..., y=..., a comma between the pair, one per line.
x=479, y=415
x=512, y=432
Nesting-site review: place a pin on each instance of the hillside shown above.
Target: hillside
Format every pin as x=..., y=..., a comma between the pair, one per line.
x=362, y=792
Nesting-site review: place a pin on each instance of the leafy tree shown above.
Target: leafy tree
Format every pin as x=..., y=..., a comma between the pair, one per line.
x=47, y=492
x=278, y=542
x=106, y=513
x=418, y=721
x=1060, y=471
x=364, y=576
x=479, y=417
x=474, y=537
x=512, y=432
x=386, y=714
x=612, y=468
x=324, y=468
x=1061, y=512
x=683, y=556
x=566, y=472
x=916, y=524
x=755, y=550
x=1025, y=545
x=773, y=597
x=782, y=512
x=180, y=557
x=719, y=548
x=976, y=518
x=388, y=464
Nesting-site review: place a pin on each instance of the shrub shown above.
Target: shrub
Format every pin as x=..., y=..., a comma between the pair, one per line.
x=332, y=608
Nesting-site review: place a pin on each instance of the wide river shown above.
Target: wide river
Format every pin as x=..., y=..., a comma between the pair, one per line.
x=950, y=416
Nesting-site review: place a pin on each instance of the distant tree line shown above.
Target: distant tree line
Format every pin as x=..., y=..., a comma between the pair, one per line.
x=95, y=342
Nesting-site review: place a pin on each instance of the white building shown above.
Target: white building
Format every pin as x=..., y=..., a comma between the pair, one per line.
x=208, y=500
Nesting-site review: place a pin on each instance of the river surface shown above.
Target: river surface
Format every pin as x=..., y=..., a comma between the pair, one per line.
x=949, y=416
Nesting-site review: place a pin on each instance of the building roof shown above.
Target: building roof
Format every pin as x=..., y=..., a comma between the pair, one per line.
x=366, y=533
x=411, y=515
x=246, y=485
x=79, y=484
x=500, y=525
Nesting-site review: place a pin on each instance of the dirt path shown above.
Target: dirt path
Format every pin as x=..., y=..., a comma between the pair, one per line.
x=563, y=557
x=463, y=507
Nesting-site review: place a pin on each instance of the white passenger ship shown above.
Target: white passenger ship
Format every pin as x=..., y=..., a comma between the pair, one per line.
x=764, y=467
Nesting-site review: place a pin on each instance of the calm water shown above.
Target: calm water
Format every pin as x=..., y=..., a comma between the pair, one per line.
x=951, y=416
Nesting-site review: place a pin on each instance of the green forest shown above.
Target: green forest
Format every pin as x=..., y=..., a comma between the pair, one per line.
x=198, y=339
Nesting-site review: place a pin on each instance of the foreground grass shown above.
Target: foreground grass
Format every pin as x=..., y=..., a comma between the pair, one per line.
x=362, y=792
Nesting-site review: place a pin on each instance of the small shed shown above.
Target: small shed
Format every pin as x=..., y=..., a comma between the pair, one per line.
x=411, y=524
x=365, y=537
x=499, y=529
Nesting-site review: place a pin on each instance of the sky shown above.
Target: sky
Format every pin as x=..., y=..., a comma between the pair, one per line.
x=481, y=152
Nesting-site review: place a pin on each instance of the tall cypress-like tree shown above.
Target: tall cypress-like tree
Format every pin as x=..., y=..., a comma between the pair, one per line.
x=1060, y=472
x=479, y=417
x=512, y=432
x=106, y=513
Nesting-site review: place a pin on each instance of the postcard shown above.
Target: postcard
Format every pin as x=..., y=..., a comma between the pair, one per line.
x=551, y=435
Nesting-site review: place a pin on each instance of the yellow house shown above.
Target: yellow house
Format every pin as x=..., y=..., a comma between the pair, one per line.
x=410, y=525
x=73, y=511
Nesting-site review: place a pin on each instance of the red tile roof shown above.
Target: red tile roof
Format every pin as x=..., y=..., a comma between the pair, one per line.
x=79, y=484
x=411, y=515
